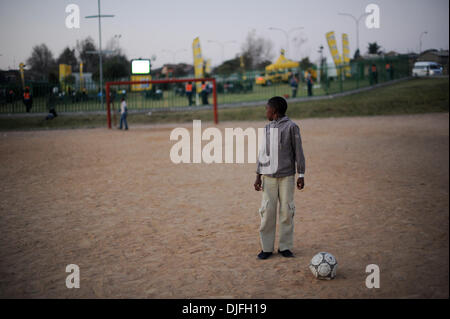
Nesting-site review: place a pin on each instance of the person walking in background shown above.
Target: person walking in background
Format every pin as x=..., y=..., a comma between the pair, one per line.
x=188, y=90
x=309, y=83
x=10, y=96
x=51, y=104
x=27, y=99
x=294, y=85
x=123, y=114
x=388, y=71
x=374, y=75
x=204, y=93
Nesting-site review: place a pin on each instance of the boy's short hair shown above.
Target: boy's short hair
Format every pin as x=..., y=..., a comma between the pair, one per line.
x=279, y=104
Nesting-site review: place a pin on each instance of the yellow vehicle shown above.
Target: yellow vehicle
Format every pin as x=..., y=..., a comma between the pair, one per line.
x=273, y=77
x=277, y=72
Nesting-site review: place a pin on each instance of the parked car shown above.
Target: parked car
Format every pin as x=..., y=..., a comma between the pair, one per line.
x=424, y=68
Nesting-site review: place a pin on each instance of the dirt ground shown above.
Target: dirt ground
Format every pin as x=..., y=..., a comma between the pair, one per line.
x=139, y=226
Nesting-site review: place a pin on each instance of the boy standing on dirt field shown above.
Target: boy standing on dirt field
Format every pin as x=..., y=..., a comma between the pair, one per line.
x=123, y=114
x=275, y=176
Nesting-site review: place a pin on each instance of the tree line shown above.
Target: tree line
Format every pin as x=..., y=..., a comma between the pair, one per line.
x=44, y=65
x=256, y=53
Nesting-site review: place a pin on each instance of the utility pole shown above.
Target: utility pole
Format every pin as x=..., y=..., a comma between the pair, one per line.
x=357, y=20
x=286, y=33
x=222, y=46
x=420, y=41
x=99, y=16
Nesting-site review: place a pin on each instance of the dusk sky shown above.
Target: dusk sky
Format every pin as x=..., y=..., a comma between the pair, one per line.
x=149, y=27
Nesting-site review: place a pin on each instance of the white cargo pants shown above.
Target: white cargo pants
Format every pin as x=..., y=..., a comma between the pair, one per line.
x=277, y=189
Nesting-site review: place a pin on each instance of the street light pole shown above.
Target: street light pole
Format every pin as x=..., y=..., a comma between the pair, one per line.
x=117, y=41
x=320, y=63
x=222, y=46
x=357, y=20
x=99, y=16
x=286, y=33
x=420, y=41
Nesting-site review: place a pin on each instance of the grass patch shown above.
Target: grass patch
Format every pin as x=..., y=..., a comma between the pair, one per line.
x=410, y=97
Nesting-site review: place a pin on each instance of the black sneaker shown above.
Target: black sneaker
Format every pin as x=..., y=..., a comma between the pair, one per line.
x=264, y=255
x=286, y=253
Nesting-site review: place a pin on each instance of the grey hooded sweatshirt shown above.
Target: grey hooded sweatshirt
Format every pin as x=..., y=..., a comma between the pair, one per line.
x=290, y=151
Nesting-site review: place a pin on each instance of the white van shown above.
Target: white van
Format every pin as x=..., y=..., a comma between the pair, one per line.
x=424, y=68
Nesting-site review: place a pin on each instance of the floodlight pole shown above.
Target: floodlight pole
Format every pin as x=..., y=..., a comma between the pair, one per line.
x=286, y=33
x=357, y=20
x=420, y=41
x=99, y=16
x=222, y=46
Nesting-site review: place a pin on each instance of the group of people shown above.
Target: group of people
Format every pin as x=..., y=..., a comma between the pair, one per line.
x=293, y=82
x=205, y=90
x=27, y=99
x=389, y=68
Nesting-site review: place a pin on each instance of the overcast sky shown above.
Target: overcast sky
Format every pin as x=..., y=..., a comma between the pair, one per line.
x=150, y=27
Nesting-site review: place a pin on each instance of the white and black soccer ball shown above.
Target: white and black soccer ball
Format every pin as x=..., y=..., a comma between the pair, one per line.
x=323, y=266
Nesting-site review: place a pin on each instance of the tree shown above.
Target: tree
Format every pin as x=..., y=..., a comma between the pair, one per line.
x=41, y=60
x=113, y=46
x=228, y=67
x=114, y=67
x=256, y=50
x=374, y=48
x=357, y=54
x=89, y=60
x=305, y=64
x=68, y=57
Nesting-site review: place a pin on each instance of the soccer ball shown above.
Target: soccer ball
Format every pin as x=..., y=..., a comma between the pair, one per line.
x=323, y=266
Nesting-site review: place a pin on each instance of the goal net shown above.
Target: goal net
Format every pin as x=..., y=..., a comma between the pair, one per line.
x=160, y=95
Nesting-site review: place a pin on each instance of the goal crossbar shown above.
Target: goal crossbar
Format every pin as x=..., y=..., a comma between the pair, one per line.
x=109, y=84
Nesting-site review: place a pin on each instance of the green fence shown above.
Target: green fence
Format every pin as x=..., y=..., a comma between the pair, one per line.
x=232, y=89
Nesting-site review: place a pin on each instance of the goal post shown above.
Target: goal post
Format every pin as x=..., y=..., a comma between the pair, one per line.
x=109, y=84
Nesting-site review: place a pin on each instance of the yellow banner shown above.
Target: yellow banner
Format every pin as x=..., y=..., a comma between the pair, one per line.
x=208, y=66
x=64, y=70
x=346, y=54
x=81, y=76
x=22, y=74
x=198, y=62
x=332, y=45
x=141, y=87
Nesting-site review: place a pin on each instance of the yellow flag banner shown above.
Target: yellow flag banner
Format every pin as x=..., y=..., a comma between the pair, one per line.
x=346, y=54
x=81, y=76
x=332, y=45
x=208, y=66
x=64, y=71
x=198, y=62
x=22, y=74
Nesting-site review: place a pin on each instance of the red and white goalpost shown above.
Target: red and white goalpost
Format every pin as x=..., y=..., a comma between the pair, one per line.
x=109, y=84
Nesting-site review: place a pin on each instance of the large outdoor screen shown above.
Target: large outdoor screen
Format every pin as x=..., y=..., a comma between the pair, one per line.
x=140, y=66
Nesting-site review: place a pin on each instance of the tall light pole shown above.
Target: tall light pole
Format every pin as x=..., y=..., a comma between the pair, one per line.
x=320, y=63
x=286, y=33
x=99, y=16
x=420, y=41
x=357, y=20
x=222, y=46
x=117, y=42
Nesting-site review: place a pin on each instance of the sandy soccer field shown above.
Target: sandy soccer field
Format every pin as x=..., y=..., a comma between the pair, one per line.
x=140, y=226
